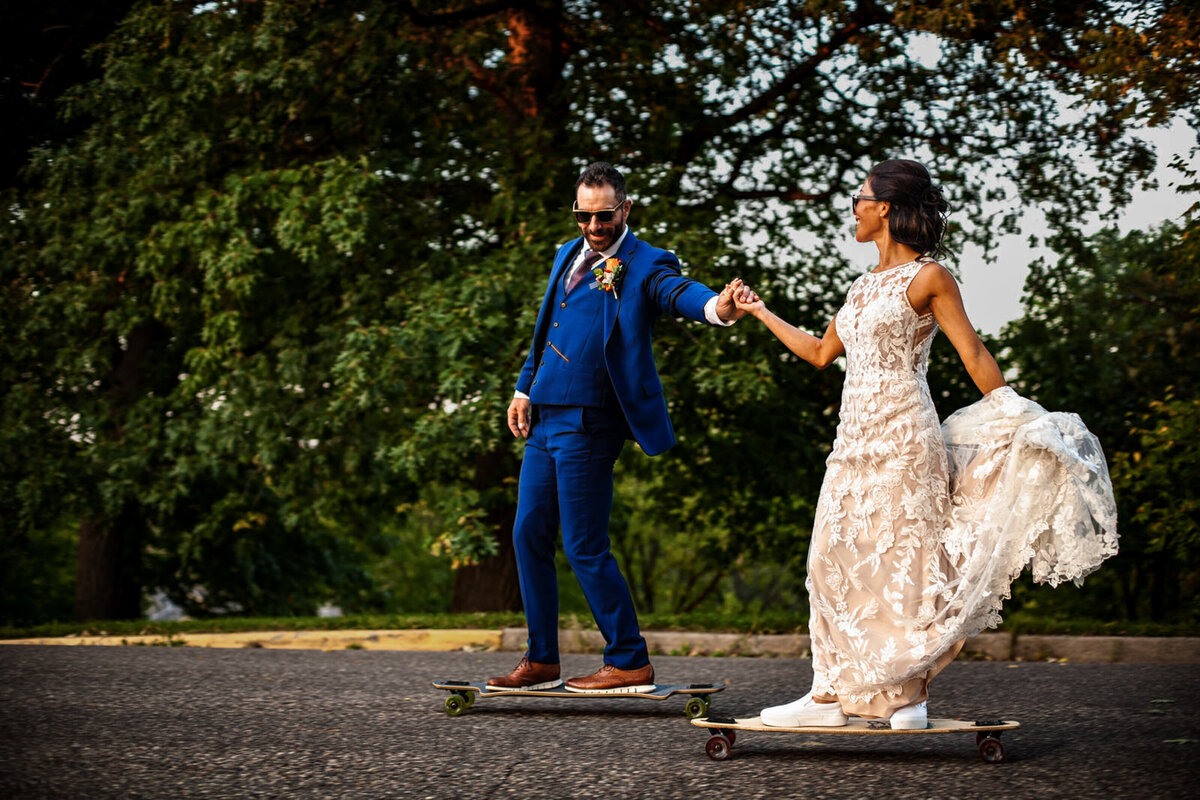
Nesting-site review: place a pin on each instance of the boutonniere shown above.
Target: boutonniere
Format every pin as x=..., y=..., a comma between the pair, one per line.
x=607, y=274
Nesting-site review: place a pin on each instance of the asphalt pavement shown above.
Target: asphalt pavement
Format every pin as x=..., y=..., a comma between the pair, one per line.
x=184, y=722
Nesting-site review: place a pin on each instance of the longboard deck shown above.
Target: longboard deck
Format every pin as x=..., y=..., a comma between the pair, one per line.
x=463, y=694
x=859, y=726
x=661, y=691
x=987, y=732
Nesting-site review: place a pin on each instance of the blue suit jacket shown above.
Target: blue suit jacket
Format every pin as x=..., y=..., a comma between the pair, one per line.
x=649, y=285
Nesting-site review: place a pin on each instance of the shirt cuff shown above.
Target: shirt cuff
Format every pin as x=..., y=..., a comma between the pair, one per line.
x=710, y=313
x=518, y=394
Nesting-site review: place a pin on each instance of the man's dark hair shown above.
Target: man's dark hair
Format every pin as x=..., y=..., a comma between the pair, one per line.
x=600, y=173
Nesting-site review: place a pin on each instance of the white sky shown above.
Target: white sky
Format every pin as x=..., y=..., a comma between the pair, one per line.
x=992, y=292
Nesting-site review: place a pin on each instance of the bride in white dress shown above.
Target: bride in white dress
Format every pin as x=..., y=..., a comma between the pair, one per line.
x=921, y=528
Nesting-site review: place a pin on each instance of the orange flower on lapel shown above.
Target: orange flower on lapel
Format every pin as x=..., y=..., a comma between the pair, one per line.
x=607, y=274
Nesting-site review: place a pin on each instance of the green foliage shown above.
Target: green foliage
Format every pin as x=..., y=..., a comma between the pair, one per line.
x=37, y=575
x=1158, y=481
x=409, y=578
x=184, y=282
x=1110, y=332
x=275, y=277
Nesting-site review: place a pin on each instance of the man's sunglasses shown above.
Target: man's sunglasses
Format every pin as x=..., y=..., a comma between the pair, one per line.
x=603, y=217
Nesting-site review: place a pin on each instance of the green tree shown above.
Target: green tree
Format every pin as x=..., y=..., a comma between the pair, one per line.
x=1157, y=482
x=1110, y=333
x=279, y=282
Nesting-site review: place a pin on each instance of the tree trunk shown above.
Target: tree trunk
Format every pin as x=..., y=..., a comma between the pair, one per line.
x=104, y=587
x=109, y=556
x=537, y=56
x=492, y=584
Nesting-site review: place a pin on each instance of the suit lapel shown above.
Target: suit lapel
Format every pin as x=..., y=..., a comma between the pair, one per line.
x=613, y=305
x=561, y=267
x=627, y=247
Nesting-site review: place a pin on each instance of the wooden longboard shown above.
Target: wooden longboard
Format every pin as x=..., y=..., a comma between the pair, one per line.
x=987, y=732
x=463, y=694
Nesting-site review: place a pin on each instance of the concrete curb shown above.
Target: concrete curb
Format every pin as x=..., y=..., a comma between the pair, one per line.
x=429, y=640
x=986, y=646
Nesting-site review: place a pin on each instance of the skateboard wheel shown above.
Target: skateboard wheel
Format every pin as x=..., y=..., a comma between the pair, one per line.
x=455, y=705
x=718, y=747
x=468, y=698
x=990, y=750
x=695, y=708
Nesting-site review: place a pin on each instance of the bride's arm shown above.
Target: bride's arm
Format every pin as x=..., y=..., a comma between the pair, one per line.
x=934, y=289
x=820, y=352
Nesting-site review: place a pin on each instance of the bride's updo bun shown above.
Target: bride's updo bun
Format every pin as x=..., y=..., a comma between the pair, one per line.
x=918, y=207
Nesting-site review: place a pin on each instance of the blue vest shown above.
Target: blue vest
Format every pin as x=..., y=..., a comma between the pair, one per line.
x=571, y=369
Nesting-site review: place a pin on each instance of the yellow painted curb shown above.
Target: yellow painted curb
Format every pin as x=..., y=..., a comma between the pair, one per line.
x=989, y=646
x=437, y=640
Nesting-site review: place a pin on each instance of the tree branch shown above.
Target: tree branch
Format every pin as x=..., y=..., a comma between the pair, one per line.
x=776, y=194
x=469, y=14
x=708, y=590
x=793, y=77
x=866, y=15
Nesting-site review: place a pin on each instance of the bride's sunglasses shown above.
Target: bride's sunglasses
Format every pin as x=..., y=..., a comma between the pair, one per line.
x=603, y=217
x=854, y=198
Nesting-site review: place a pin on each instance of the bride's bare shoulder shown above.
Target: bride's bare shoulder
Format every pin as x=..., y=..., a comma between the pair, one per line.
x=934, y=279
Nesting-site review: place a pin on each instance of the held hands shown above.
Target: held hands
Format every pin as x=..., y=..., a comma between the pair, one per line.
x=727, y=309
x=737, y=299
x=518, y=417
x=745, y=299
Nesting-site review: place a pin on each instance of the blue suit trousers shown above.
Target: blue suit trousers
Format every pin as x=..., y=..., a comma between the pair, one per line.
x=567, y=480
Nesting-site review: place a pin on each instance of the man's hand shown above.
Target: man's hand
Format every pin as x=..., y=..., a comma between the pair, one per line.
x=748, y=301
x=518, y=417
x=727, y=309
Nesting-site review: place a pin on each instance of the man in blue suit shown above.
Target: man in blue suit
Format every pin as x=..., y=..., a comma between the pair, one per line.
x=589, y=384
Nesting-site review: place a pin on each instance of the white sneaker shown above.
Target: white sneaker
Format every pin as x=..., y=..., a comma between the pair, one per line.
x=910, y=718
x=804, y=713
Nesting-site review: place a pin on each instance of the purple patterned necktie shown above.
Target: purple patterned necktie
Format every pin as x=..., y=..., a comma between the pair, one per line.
x=583, y=270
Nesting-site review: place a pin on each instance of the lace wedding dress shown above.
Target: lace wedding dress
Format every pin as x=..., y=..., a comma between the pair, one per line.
x=921, y=528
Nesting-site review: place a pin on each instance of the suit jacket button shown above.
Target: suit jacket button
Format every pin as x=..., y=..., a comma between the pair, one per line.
x=556, y=324
x=563, y=304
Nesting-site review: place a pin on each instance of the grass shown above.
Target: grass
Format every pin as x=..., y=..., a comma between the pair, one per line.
x=1020, y=623
x=767, y=623
x=238, y=624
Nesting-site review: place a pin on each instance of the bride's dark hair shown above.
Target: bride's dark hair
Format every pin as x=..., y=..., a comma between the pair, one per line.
x=919, y=209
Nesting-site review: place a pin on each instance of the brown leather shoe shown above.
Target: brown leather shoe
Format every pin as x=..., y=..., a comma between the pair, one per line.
x=528, y=676
x=612, y=680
